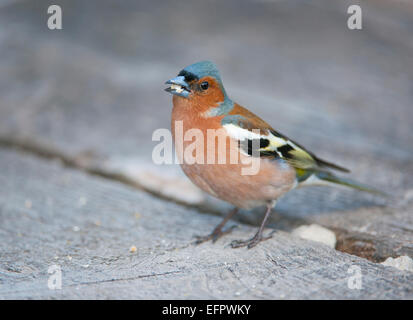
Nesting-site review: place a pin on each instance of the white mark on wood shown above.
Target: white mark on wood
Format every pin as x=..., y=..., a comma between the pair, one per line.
x=404, y=263
x=316, y=233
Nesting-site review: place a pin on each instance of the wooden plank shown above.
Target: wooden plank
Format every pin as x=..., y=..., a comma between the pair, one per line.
x=85, y=225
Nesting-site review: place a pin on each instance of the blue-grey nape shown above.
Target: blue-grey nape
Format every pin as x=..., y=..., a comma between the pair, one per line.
x=224, y=108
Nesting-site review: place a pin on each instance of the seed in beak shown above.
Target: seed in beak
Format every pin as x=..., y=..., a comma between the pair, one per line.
x=177, y=88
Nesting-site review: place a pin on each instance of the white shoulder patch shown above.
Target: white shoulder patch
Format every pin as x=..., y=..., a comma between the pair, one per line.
x=241, y=134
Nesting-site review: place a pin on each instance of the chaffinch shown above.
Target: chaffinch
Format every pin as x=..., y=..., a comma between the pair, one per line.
x=200, y=102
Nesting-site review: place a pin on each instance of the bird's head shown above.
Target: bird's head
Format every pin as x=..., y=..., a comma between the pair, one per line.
x=200, y=83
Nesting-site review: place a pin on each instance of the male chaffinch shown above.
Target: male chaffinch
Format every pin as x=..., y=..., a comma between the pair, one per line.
x=200, y=102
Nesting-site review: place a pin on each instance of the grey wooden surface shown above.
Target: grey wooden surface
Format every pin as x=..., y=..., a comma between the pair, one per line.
x=91, y=95
x=86, y=225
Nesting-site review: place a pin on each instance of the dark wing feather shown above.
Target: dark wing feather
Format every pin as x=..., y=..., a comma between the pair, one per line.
x=271, y=143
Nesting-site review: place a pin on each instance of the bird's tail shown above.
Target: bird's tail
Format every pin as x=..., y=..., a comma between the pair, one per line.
x=331, y=178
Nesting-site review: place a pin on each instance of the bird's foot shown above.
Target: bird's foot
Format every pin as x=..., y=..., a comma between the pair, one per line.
x=214, y=235
x=250, y=243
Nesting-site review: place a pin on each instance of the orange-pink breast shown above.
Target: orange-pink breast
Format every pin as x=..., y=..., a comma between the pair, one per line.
x=227, y=180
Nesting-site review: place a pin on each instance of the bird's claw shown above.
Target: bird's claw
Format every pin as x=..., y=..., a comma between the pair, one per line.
x=250, y=243
x=214, y=235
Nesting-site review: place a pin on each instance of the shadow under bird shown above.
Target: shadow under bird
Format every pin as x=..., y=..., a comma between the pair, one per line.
x=200, y=102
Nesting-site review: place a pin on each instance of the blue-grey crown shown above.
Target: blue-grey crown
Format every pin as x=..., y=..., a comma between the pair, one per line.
x=204, y=69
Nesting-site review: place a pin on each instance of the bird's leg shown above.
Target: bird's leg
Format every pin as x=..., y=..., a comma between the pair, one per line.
x=258, y=236
x=218, y=232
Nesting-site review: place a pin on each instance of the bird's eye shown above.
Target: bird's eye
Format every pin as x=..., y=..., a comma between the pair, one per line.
x=204, y=85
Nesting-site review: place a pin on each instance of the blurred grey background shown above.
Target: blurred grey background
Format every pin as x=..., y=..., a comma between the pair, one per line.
x=91, y=95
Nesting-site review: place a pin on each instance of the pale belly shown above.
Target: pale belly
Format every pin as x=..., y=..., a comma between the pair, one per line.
x=227, y=182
